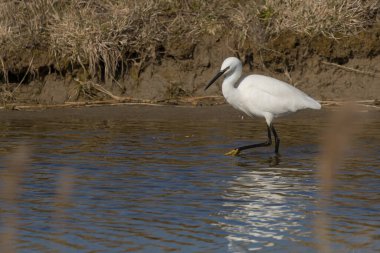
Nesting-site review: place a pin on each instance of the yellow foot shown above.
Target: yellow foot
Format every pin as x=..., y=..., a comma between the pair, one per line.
x=233, y=152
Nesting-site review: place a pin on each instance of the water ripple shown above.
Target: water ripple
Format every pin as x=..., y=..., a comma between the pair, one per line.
x=159, y=186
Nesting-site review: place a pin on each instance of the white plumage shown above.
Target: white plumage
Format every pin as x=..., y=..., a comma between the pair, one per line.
x=262, y=96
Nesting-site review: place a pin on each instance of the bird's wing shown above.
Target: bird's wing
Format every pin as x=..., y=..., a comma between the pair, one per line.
x=274, y=96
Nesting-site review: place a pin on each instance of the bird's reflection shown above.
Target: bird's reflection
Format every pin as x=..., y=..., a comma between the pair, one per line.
x=271, y=161
x=262, y=210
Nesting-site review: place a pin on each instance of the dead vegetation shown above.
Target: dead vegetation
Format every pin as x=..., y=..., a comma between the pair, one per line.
x=330, y=18
x=105, y=38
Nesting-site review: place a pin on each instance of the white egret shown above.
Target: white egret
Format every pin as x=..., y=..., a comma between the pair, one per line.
x=261, y=96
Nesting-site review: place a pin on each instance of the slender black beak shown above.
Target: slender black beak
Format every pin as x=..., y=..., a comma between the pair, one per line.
x=216, y=77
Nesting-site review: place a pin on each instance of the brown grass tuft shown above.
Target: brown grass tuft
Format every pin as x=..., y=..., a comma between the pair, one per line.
x=330, y=18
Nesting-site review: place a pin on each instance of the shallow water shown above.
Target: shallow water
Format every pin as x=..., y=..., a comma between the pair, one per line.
x=159, y=182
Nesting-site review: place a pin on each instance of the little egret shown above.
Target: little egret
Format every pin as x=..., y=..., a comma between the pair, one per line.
x=261, y=96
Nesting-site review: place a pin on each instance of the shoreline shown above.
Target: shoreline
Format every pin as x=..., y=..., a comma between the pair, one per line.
x=139, y=112
x=186, y=102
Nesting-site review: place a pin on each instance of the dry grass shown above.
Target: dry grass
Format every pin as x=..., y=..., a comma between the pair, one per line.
x=100, y=36
x=23, y=25
x=104, y=37
x=331, y=18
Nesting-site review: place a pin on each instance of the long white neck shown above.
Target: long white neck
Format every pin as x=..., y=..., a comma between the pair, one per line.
x=228, y=87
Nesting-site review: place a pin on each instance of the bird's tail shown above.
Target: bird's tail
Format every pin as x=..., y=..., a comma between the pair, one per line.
x=312, y=104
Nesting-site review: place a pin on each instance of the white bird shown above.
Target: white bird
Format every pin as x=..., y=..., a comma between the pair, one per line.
x=261, y=96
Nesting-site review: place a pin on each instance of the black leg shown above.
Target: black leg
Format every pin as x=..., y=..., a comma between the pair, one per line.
x=263, y=144
x=276, y=138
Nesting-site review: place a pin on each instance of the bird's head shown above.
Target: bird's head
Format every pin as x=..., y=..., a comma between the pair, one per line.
x=229, y=65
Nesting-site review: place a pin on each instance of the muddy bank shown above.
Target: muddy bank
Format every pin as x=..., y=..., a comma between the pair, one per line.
x=325, y=68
